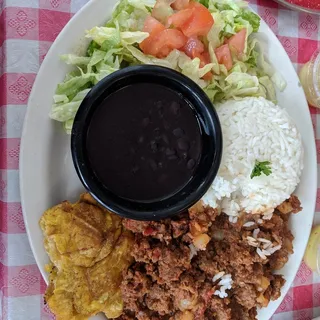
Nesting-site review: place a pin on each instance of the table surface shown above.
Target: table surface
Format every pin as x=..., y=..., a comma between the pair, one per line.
x=27, y=30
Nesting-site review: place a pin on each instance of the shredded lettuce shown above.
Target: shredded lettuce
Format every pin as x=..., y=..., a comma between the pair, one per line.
x=67, y=110
x=252, y=18
x=116, y=45
x=171, y=61
x=266, y=68
x=75, y=60
x=192, y=69
x=109, y=38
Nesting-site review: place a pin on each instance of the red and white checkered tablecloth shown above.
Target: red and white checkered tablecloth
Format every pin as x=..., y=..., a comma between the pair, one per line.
x=27, y=30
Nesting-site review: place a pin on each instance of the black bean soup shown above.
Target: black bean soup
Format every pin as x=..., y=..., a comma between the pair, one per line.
x=144, y=142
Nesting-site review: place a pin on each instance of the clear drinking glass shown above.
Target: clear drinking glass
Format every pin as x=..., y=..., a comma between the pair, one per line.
x=312, y=253
x=310, y=79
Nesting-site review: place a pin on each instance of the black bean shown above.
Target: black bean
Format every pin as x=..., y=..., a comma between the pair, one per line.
x=178, y=132
x=135, y=169
x=141, y=139
x=175, y=108
x=184, y=155
x=191, y=163
x=159, y=108
x=145, y=122
x=165, y=138
x=154, y=146
x=172, y=157
x=153, y=164
x=183, y=144
x=170, y=152
x=157, y=132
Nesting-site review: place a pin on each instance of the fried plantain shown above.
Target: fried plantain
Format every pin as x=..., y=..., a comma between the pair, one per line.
x=89, y=251
x=79, y=234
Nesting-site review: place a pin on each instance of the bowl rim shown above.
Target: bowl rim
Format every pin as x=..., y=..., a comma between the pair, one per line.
x=197, y=185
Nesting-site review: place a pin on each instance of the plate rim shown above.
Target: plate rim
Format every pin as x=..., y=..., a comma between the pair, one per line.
x=296, y=7
x=23, y=147
x=42, y=67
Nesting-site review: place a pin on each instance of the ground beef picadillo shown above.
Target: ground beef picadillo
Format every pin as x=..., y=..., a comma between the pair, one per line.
x=167, y=281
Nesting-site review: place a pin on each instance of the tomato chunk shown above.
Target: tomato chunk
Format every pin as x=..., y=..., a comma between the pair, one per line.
x=194, y=21
x=180, y=19
x=200, y=23
x=224, y=56
x=208, y=76
x=153, y=26
x=180, y=4
x=193, y=47
x=237, y=42
x=205, y=59
x=162, y=43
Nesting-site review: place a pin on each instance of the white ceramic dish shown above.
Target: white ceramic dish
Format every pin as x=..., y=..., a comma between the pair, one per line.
x=47, y=175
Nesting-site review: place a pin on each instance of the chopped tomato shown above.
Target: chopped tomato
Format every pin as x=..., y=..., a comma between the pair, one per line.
x=180, y=4
x=162, y=43
x=196, y=20
x=205, y=59
x=146, y=44
x=208, y=76
x=193, y=47
x=200, y=23
x=191, y=21
x=180, y=19
x=224, y=56
x=237, y=42
x=152, y=26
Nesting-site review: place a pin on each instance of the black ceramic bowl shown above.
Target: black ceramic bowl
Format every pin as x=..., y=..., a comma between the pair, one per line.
x=208, y=164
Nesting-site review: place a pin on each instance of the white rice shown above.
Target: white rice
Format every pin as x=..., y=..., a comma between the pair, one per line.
x=193, y=251
x=249, y=224
x=252, y=242
x=267, y=216
x=255, y=129
x=264, y=247
x=255, y=233
x=218, y=276
x=225, y=283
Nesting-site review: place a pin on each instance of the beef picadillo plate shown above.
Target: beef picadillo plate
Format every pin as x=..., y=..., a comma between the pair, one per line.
x=228, y=66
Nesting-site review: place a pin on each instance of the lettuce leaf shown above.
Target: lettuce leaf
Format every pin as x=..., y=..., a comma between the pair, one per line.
x=171, y=61
x=192, y=69
x=252, y=18
x=67, y=110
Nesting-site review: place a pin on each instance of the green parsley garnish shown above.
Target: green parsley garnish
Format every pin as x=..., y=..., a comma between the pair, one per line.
x=261, y=167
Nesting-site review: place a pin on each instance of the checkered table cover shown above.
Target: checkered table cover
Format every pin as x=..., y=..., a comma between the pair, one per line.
x=27, y=30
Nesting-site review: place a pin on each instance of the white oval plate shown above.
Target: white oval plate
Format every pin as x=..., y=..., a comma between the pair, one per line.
x=47, y=176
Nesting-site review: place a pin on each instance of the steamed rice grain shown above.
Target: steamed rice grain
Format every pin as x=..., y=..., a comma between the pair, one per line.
x=255, y=129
